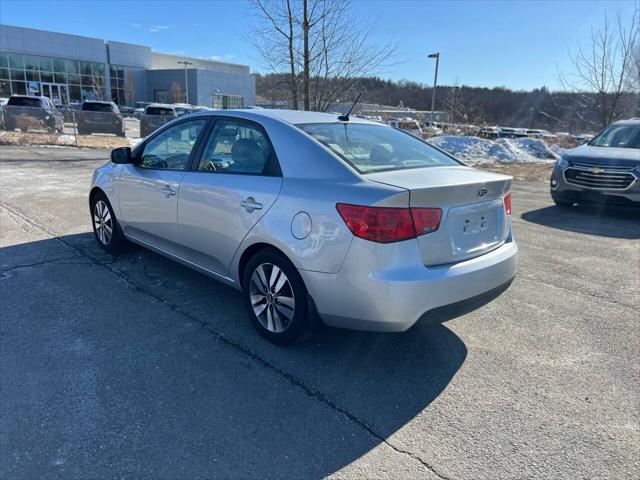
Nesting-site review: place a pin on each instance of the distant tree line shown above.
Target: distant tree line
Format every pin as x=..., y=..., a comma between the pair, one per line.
x=538, y=108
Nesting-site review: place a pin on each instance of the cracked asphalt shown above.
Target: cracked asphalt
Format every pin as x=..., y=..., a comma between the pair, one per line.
x=136, y=367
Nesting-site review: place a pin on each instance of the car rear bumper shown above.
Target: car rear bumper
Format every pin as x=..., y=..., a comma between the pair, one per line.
x=386, y=288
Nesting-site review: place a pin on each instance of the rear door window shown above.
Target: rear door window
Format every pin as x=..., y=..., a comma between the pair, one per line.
x=238, y=147
x=97, y=107
x=24, y=102
x=160, y=111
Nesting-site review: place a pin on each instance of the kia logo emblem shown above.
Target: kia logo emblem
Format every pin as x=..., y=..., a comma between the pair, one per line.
x=482, y=192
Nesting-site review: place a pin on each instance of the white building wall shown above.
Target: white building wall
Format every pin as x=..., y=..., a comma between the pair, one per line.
x=52, y=44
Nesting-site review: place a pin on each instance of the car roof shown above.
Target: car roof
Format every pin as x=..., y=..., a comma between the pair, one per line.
x=98, y=101
x=27, y=96
x=630, y=121
x=293, y=117
x=160, y=105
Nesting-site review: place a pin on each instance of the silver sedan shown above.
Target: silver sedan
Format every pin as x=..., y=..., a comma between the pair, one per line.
x=317, y=219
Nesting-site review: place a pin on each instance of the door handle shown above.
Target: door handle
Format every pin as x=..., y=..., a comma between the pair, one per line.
x=250, y=204
x=168, y=191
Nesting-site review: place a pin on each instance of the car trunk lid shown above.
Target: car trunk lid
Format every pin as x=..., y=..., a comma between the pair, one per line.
x=473, y=221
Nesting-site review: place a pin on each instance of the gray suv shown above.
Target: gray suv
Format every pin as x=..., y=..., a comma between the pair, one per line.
x=606, y=170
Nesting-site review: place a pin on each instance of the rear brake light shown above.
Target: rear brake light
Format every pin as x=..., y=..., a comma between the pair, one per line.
x=426, y=220
x=386, y=225
x=507, y=203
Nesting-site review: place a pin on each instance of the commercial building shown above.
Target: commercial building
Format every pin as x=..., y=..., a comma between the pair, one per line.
x=70, y=68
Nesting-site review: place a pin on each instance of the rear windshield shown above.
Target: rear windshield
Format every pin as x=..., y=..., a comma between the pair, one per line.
x=159, y=111
x=97, y=107
x=375, y=148
x=619, y=136
x=24, y=102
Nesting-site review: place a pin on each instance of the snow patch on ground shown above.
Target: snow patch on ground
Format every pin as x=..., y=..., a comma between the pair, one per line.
x=482, y=150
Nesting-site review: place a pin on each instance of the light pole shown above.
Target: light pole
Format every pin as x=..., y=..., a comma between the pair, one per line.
x=186, y=81
x=435, y=82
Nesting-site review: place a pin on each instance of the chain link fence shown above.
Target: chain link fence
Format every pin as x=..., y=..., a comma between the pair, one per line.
x=80, y=128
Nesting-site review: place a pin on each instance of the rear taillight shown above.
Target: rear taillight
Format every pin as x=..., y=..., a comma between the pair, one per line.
x=386, y=225
x=426, y=220
x=507, y=203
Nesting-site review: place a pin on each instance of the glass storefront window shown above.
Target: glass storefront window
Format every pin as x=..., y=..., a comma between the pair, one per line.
x=60, y=77
x=74, y=79
x=3, y=60
x=98, y=69
x=5, y=88
x=46, y=64
x=59, y=65
x=46, y=77
x=74, y=93
x=85, y=68
x=87, y=81
x=4, y=72
x=17, y=74
x=31, y=63
x=15, y=60
x=19, y=88
x=72, y=66
x=33, y=76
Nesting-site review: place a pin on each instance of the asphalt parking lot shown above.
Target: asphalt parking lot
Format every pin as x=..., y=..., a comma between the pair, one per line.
x=138, y=367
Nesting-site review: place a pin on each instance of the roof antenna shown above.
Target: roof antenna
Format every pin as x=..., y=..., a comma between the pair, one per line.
x=345, y=118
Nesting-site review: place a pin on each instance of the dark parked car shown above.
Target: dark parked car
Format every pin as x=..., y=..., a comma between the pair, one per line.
x=100, y=117
x=156, y=115
x=31, y=113
x=605, y=170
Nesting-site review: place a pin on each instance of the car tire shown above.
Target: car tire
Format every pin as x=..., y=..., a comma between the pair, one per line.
x=282, y=315
x=561, y=202
x=106, y=227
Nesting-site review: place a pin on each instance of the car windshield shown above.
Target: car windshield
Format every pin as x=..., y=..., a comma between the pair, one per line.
x=160, y=111
x=620, y=136
x=374, y=148
x=23, y=102
x=96, y=107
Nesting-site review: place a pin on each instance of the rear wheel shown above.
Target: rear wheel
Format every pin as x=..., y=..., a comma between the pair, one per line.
x=105, y=225
x=276, y=298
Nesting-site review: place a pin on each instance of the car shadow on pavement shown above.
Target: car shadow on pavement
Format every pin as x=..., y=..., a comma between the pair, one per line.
x=593, y=220
x=181, y=386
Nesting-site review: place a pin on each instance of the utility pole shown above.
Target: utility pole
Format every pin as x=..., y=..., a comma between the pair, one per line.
x=435, y=82
x=186, y=81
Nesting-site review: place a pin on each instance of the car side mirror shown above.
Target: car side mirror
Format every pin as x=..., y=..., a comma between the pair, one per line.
x=121, y=155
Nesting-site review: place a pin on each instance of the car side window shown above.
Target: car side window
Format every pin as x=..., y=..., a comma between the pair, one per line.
x=171, y=149
x=237, y=147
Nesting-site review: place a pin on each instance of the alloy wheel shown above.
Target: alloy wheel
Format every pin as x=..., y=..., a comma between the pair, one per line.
x=272, y=297
x=103, y=222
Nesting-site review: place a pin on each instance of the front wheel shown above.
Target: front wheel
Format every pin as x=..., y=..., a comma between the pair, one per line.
x=276, y=298
x=560, y=202
x=105, y=225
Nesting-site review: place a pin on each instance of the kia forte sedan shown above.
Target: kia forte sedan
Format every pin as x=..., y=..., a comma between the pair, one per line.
x=315, y=218
x=605, y=171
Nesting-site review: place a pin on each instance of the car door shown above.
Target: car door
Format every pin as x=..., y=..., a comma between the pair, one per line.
x=148, y=190
x=235, y=181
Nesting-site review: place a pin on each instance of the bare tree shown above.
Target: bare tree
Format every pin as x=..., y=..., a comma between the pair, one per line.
x=323, y=45
x=129, y=87
x=176, y=94
x=275, y=38
x=607, y=65
x=97, y=87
